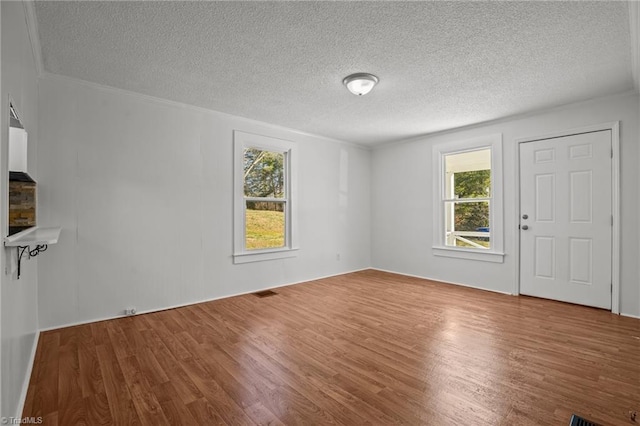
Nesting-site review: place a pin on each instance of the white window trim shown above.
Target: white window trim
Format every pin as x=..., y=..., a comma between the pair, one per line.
x=244, y=140
x=496, y=223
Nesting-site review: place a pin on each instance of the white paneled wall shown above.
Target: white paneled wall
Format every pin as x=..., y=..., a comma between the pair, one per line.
x=18, y=297
x=402, y=213
x=143, y=191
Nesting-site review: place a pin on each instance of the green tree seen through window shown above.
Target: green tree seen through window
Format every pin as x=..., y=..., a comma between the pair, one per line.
x=263, y=173
x=474, y=184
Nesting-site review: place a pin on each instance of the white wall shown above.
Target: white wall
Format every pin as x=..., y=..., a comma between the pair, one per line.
x=143, y=191
x=18, y=297
x=402, y=213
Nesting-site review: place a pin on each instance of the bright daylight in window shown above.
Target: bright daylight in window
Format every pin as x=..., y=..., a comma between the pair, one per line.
x=265, y=198
x=467, y=199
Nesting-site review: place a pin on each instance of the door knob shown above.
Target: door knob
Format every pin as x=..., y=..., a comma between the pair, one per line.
x=525, y=216
x=525, y=227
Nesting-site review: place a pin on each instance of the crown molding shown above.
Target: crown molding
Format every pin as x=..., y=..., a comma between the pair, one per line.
x=634, y=27
x=34, y=37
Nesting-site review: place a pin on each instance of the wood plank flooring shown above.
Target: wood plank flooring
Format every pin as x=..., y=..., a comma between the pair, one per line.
x=362, y=348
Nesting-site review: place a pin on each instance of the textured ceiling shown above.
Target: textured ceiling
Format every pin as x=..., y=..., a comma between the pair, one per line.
x=441, y=64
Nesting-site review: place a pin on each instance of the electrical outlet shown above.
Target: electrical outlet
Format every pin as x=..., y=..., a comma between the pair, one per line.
x=130, y=311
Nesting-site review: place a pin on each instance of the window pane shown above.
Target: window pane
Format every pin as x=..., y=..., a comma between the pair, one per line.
x=468, y=174
x=265, y=225
x=467, y=224
x=263, y=173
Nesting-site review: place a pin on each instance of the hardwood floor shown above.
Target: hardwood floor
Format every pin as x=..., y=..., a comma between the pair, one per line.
x=362, y=348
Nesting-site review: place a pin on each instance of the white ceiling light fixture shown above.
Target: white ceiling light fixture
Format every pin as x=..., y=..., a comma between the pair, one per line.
x=360, y=83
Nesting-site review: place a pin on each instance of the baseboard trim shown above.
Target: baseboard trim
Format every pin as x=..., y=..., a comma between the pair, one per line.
x=261, y=289
x=474, y=287
x=443, y=282
x=27, y=378
x=148, y=311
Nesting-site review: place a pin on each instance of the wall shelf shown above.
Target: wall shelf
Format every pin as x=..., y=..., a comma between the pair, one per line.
x=33, y=236
x=39, y=238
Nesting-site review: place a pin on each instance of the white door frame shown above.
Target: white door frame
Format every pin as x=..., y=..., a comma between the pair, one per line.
x=615, y=200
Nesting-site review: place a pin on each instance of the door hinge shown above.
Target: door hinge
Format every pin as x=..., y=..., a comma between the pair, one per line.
x=611, y=220
x=611, y=152
x=611, y=288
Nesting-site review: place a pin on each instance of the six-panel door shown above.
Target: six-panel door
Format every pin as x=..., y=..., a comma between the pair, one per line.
x=565, y=240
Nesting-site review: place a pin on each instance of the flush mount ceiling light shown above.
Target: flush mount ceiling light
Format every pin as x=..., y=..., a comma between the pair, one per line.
x=360, y=83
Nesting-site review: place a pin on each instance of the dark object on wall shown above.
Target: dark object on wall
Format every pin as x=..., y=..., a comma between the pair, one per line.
x=22, y=202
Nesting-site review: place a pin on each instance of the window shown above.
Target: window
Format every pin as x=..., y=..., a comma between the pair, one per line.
x=468, y=199
x=264, y=210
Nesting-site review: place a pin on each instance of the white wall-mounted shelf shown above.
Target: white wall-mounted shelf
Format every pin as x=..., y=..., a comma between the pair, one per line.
x=33, y=237
x=40, y=238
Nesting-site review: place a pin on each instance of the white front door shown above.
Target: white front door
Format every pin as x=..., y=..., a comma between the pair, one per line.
x=566, y=221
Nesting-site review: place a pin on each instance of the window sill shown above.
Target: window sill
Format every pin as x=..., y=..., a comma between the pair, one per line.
x=260, y=255
x=470, y=254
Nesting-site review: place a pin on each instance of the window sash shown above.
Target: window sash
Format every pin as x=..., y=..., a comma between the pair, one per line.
x=267, y=199
x=285, y=169
x=271, y=234
x=452, y=235
x=284, y=200
x=466, y=200
x=448, y=183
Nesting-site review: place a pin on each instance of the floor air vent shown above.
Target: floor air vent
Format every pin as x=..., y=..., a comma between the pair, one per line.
x=265, y=293
x=579, y=421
